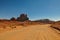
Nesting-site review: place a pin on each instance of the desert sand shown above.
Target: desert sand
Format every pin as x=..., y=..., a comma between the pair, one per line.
x=32, y=32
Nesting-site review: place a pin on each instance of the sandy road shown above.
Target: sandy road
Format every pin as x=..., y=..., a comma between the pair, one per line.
x=34, y=32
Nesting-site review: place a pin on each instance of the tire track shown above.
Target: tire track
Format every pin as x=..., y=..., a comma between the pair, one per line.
x=34, y=32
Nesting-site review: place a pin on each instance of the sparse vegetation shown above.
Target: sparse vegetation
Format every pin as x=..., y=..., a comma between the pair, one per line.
x=23, y=20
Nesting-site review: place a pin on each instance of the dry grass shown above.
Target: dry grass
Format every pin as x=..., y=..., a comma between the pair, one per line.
x=12, y=25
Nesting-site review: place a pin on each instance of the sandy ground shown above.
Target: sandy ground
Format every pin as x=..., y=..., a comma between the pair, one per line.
x=34, y=32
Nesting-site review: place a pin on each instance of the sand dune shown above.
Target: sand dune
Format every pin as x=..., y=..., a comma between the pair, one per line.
x=33, y=32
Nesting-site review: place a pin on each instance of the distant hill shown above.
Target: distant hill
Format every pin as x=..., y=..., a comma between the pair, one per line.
x=45, y=21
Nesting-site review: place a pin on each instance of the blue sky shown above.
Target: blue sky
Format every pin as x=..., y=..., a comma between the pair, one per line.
x=35, y=9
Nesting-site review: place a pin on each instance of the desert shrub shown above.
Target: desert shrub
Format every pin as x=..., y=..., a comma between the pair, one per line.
x=12, y=26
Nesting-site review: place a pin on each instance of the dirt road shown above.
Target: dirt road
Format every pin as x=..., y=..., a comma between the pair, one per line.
x=34, y=32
